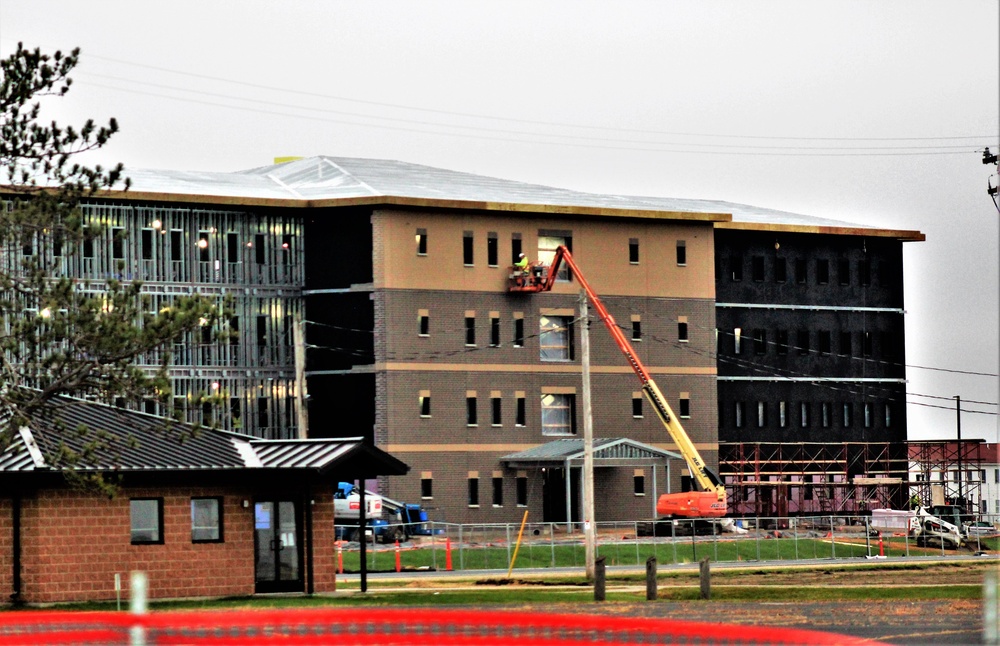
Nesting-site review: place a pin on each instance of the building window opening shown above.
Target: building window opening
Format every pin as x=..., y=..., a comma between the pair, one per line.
x=555, y=339
x=682, y=331
x=146, y=520
x=497, y=491
x=639, y=484
x=757, y=267
x=470, y=330
x=495, y=331
x=780, y=271
x=684, y=404
x=521, y=491
x=426, y=486
x=822, y=272
x=682, y=257
x=521, y=413
x=425, y=403
x=633, y=251
x=421, y=242
x=474, y=491
x=636, y=330
x=424, y=325
x=558, y=414
x=496, y=407
x=637, y=405
x=467, y=248
x=470, y=411
x=518, y=333
x=492, y=249
x=206, y=520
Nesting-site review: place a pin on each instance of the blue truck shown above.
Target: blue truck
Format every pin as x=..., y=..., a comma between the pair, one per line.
x=388, y=520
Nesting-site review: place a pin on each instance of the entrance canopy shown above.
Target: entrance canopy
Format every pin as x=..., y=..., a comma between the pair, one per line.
x=608, y=452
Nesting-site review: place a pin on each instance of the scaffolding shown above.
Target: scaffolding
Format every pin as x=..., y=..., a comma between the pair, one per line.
x=814, y=478
x=948, y=473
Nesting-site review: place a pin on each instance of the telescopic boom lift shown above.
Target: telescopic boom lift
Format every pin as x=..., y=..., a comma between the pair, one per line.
x=710, y=502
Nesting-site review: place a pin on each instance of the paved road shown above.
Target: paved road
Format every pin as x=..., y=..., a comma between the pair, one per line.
x=955, y=622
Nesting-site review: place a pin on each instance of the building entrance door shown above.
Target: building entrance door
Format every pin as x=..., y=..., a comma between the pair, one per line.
x=554, y=496
x=277, y=547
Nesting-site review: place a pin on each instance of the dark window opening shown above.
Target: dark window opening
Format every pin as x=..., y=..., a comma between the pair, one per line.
x=800, y=271
x=425, y=405
x=515, y=248
x=425, y=325
x=518, y=333
x=521, y=412
x=781, y=341
x=470, y=330
x=636, y=406
x=682, y=257
x=759, y=341
x=147, y=244
x=639, y=485
x=866, y=344
x=232, y=247
x=117, y=243
x=467, y=248
x=470, y=412
x=426, y=487
x=864, y=272
x=522, y=491
x=636, y=330
x=802, y=341
x=633, y=251
x=496, y=406
x=494, y=332
x=757, y=267
x=685, y=407
x=822, y=272
x=823, y=341
x=421, y=242
x=736, y=268
x=473, y=492
x=844, y=271
x=780, y=270
x=176, y=245
x=492, y=249
x=682, y=331
x=497, y=492
x=845, y=344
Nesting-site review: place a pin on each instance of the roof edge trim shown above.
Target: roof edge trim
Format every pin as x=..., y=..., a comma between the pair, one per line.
x=903, y=235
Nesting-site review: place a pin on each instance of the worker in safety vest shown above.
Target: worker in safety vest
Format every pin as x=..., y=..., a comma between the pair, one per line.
x=522, y=263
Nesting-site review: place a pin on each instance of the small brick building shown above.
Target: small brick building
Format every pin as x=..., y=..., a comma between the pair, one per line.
x=203, y=513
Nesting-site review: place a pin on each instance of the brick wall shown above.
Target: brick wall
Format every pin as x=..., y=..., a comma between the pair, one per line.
x=73, y=543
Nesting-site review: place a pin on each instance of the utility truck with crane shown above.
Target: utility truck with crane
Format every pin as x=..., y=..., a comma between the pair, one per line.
x=388, y=520
x=710, y=501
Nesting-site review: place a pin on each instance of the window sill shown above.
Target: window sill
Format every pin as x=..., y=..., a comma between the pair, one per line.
x=425, y=417
x=640, y=495
x=425, y=336
x=473, y=506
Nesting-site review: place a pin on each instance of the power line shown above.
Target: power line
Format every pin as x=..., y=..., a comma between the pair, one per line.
x=401, y=106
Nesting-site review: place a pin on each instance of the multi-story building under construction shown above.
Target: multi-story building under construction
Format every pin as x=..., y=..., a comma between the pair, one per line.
x=399, y=274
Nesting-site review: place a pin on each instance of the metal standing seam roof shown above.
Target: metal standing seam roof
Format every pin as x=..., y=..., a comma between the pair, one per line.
x=341, y=181
x=131, y=441
x=571, y=449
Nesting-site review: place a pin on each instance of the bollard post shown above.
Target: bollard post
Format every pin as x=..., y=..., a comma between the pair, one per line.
x=991, y=610
x=447, y=554
x=399, y=567
x=706, y=579
x=139, y=592
x=651, y=578
x=599, y=579
x=340, y=558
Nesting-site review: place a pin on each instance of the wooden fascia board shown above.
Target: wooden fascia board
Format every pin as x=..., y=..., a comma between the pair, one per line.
x=900, y=234
x=392, y=200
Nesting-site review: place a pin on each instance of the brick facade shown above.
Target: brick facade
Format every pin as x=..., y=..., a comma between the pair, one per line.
x=73, y=543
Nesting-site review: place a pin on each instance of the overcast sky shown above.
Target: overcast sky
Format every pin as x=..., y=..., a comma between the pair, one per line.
x=868, y=112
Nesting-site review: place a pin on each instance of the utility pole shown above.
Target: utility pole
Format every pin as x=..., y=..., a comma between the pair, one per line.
x=958, y=426
x=588, y=443
x=299, y=340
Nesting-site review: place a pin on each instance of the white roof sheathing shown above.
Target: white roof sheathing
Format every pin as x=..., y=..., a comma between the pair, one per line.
x=332, y=181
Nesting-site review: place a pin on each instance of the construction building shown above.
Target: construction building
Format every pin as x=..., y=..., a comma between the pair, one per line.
x=812, y=378
x=398, y=274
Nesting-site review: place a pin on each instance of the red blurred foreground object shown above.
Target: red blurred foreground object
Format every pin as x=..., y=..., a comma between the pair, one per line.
x=367, y=626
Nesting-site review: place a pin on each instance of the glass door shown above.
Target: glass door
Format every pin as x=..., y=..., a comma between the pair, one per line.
x=277, y=547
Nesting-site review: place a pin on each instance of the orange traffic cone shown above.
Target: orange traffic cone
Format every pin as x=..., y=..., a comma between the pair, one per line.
x=447, y=554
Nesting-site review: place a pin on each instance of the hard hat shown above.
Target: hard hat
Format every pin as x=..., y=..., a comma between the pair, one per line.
x=520, y=255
